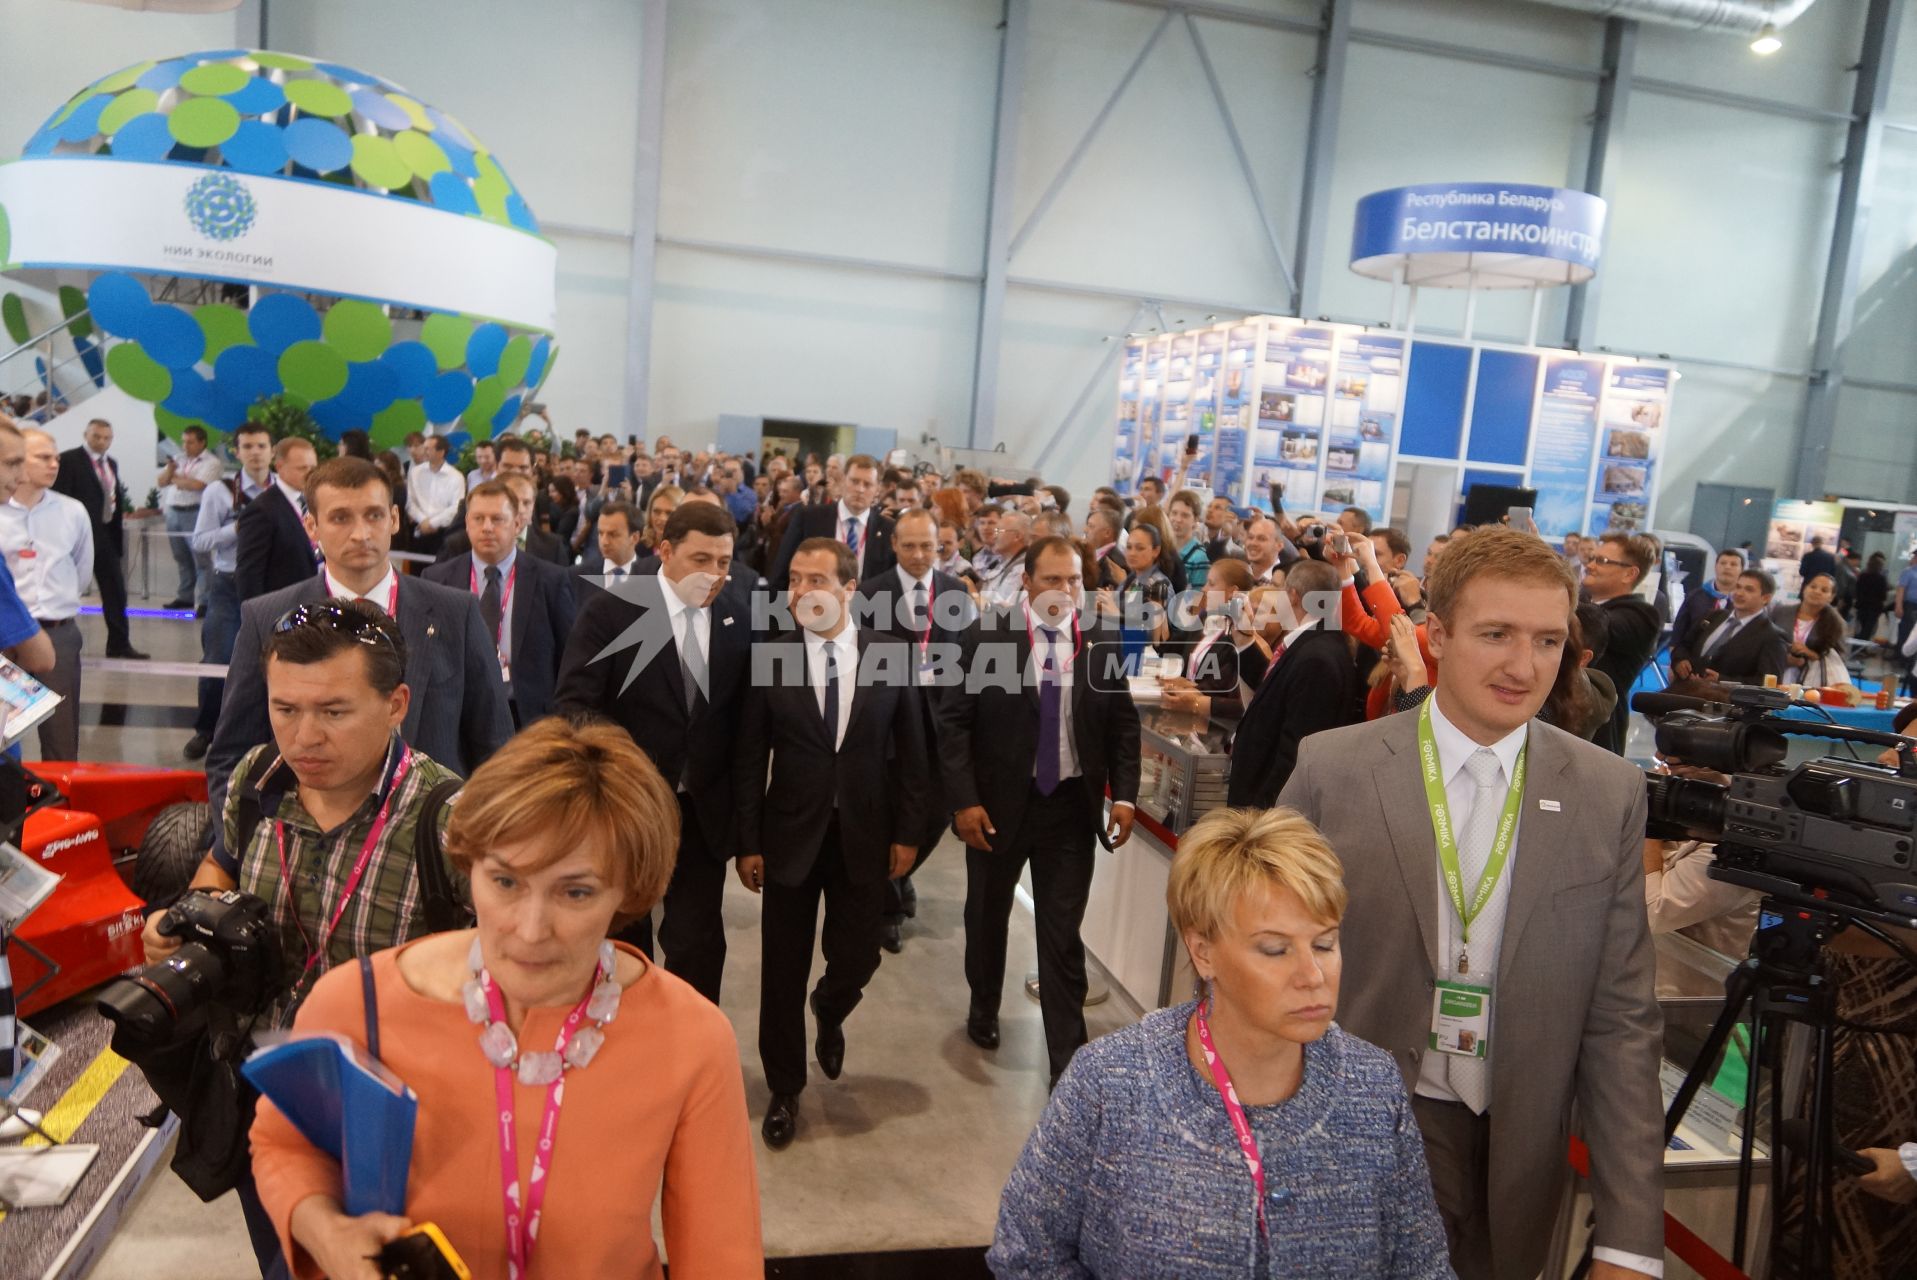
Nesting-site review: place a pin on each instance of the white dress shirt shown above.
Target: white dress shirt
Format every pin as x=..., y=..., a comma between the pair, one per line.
x=620, y=570
x=1059, y=645
x=1007, y=585
x=846, y=646
x=49, y=547
x=1454, y=748
x=385, y=592
x=685, y=616
x=293, y=495
x=865, y=530
x=1725, y=630
x=1683, y=896
x=217, y=532
x=206, y=468
x=477, y=477
x=433, y=496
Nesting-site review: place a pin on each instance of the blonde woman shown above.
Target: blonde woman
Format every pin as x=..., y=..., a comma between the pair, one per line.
x=1242, y=1134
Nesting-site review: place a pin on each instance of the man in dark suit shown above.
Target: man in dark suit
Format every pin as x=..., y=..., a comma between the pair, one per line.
x=89, y=475
x=831, y=708
x=526, y=603
x=914, y=602
x=1310, y=685
x=274, y=550
x=1815, y=561
x=1631, y=624
x=616, y=538
x=853, y=520
x=1703, y=600
x=667, y=656
x=1024, y=789
x=1741, y=643
x=458, y=711
x=1543, y=946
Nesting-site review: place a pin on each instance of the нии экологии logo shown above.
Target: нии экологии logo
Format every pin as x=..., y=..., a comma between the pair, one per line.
x=220, y=207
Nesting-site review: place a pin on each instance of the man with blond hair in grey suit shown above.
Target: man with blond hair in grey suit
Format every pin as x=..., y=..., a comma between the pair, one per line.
x=1496, y=941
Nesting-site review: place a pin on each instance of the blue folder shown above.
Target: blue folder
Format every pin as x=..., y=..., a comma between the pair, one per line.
x=348, y=1105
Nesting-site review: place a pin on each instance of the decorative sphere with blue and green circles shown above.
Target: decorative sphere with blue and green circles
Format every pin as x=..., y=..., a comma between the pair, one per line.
x=243, y=224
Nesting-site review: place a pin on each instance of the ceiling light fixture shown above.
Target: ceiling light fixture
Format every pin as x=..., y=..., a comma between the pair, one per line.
x=1767, y=42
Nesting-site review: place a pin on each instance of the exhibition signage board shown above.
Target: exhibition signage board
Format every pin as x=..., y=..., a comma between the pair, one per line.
x=1324, y=409
x=286, y=233
x=1793, y=525
x=1485, y=235
x=1636, y=403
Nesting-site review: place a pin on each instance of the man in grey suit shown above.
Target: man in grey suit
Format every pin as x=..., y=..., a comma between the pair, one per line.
x=1518, y=980
x=458, y=714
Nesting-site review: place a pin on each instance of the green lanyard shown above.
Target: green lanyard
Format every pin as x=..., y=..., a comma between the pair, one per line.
x=1448, y=841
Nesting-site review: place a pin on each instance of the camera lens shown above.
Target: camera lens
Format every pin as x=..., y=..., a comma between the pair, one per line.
x=150, y=1004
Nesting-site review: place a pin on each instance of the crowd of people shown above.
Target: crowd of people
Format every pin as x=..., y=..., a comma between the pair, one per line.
x=1422, y=924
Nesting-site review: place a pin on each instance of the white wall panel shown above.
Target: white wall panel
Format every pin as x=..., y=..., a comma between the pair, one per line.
x=1876, y=449
x=1729, y=428
x=1720, y=229
x=818, y=343
x=853, y=127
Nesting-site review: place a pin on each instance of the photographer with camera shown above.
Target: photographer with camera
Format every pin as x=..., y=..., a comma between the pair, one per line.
x=334, y=835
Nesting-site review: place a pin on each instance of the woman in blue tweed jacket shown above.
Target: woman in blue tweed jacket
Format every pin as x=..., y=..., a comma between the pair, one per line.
x=1243, y=1135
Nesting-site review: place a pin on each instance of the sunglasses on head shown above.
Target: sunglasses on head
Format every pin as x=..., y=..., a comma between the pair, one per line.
x=332, y=615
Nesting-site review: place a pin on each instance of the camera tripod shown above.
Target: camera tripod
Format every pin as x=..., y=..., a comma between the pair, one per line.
x=1785, y=980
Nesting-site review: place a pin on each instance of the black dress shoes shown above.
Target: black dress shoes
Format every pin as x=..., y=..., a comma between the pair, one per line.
x=179, y=603
x=128, y=652
x=983, y=1030
x=830, y=1045
x=781, y=1121
x=891, y=938
x=196, y=747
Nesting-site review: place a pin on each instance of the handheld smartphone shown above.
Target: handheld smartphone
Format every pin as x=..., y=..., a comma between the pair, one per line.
x=1277, y=498
x=632, y=441
x=617, y=474
x=1518, y=517
x=1191, y=443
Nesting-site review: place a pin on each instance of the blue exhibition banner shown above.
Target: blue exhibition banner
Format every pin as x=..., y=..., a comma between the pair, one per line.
x=1235, y=413
x=1478, y=218
x=1636, y=399
x=1364, y=420
x=1204, y=404
x=1293, y=369
x=1565, y=428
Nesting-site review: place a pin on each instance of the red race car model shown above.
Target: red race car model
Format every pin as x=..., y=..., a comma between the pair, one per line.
x=119, y=835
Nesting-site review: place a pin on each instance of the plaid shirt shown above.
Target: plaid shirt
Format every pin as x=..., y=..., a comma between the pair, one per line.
x=386, y=909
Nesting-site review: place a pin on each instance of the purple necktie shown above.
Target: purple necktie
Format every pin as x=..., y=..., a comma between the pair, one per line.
x=1049, y=697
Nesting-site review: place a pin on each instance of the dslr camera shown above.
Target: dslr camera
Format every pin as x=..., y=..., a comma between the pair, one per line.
x=229, y=957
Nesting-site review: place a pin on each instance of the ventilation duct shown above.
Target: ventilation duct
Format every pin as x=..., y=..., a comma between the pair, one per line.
x=1742, y=17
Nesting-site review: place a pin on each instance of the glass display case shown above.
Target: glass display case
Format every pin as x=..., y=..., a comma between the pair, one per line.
x=1182, y=766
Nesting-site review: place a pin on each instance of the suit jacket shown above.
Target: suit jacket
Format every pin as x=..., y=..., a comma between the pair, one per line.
x=1314, y=687
x=822, y=521
x=1630, y=641
x=1576, y=1013
x=543, y=611
x=988, y=726
x=273, y=551
x=1700, y=603
x=785, y=819
x=458, y=713
x=596, y=678
x=1758, y=649
x=540, y=545
x=77, y=479
x=877, y=606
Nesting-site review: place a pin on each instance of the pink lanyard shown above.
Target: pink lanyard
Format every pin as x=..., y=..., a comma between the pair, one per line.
x=1235, y=1111
x=505, y=595
x=314, y=953
x=522, y=1219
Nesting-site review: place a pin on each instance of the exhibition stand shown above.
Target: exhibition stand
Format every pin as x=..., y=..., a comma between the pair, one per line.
x=1333, y=412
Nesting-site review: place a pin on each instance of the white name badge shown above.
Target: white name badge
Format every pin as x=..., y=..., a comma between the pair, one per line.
x=1461, y=1019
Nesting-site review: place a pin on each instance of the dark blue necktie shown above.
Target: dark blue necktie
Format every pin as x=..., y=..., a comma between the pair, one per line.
x=852, y=534
x=832, y=695
x=1049, y=700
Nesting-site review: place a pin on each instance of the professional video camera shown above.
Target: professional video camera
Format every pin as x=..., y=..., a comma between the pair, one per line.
x=229, y=958
x=1829, y=846
x=1840, y=832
